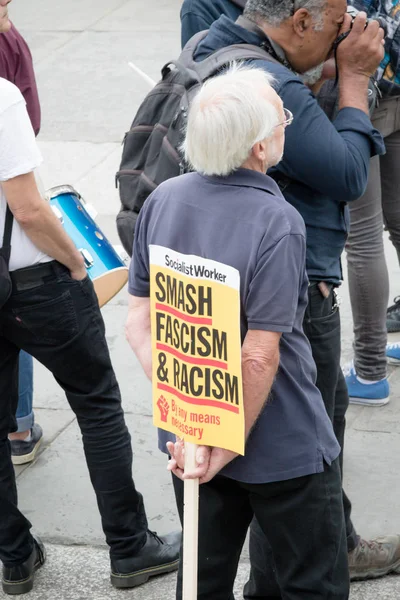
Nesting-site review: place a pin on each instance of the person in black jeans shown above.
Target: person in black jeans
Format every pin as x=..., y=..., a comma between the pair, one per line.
x=53, y=314
x=322, y=327
x=57, y=320
x=16, y=65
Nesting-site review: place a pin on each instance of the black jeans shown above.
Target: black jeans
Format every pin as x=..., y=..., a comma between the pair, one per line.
x=302, y=519
x=58, y=321
x=322, y=327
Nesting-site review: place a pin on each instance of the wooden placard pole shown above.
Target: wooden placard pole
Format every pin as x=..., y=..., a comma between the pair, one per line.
x=180, y=371
x=190, y=527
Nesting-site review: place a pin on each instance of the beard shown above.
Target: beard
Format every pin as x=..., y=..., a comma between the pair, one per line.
x=312, y=75
x=275, y=157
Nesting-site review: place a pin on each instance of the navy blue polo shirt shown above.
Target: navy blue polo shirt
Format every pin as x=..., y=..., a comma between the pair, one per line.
x=244, y=221
x=324, y=166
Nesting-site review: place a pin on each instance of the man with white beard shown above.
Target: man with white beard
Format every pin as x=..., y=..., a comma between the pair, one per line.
x=325, y=165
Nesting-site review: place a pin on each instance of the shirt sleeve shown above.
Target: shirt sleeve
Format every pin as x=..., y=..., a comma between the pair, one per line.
x=139, y=275
x=273, y=296
x=332, y=158
x=5, y=66
x=18, y=149
x=25, y=80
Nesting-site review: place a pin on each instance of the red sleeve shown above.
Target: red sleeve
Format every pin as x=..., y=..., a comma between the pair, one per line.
x=5, y=66
x=25, y=80
x=16, y=65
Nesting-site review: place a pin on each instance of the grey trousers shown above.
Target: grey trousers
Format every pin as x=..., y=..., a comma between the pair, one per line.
x=367, y=270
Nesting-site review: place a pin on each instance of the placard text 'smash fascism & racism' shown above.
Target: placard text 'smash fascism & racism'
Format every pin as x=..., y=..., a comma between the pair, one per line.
x=196, y=345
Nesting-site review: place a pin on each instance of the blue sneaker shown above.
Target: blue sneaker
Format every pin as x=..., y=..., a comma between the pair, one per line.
x=393, y=353
x=373, y=394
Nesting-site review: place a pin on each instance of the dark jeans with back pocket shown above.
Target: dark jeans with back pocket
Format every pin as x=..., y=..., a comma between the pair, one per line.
x=322, y=328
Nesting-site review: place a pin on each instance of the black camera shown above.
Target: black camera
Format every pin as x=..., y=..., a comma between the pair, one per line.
x=353, y=12
x=327, y=92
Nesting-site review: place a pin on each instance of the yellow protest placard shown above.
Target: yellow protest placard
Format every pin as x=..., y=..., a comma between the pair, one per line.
x=196, y=346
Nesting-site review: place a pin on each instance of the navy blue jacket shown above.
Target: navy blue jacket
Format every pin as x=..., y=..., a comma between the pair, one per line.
x=325, y=163
x=197, y=15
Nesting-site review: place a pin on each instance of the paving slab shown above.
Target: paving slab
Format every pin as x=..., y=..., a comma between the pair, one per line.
x=57, y=496
x=382, y=419
x=44, y=43
x=88, y=91
x=82, y=573
x=105, y=195
x=160, y=16
x=69, y=162
x=58, y=15
x=371, y=479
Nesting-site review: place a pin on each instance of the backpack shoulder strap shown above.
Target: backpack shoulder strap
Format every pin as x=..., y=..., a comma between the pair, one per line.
x=213, y=63
x=189, y=49
x=189, y=76
x=236, y=52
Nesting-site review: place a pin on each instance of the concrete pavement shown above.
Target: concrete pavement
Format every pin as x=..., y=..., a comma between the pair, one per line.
x=89, y=95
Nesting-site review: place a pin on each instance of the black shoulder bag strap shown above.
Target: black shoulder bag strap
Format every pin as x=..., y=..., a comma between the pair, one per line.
x=5, y=250
x=5, y=253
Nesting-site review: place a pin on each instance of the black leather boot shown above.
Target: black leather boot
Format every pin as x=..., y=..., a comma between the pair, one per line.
x=19, y=579
x=159, y=555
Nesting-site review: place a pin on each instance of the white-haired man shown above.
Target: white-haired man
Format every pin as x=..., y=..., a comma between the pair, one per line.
x=231, y=212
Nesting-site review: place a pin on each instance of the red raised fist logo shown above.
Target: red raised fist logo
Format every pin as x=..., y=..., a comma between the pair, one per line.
x=164, y=408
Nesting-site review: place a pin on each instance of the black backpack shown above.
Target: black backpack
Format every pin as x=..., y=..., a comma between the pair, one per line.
x=151, y=152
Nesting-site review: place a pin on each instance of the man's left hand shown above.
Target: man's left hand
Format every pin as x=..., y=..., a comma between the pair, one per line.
x=176, y=464
x=219, y=458
x=209, y=461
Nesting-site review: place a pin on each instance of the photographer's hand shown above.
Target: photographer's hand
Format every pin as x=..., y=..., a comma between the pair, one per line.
x=358, y=56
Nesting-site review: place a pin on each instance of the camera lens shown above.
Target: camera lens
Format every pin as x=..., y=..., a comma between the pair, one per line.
x=353, y=12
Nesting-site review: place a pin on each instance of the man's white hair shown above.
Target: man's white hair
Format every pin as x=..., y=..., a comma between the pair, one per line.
x=227, y=117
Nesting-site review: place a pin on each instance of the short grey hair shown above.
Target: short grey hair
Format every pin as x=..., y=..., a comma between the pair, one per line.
x=226, y=118
x=274, y=12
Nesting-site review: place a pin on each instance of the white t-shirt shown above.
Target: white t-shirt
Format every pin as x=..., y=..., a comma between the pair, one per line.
x=19, y=154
